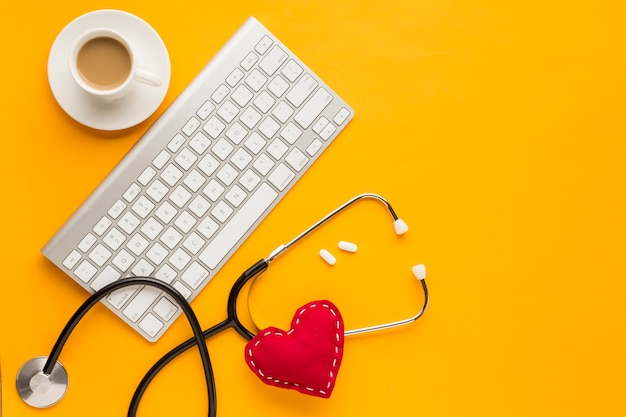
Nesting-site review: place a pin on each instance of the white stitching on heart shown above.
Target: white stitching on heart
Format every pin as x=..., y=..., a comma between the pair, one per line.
x=280, y=333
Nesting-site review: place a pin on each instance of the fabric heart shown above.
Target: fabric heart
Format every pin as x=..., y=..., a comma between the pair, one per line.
x=307, y=357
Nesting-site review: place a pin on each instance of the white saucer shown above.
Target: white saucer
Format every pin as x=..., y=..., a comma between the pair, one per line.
x=126, y=111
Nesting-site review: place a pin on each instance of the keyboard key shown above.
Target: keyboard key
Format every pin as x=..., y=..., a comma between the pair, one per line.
x=213, y=190
x=341, y=116
x=234, y=77
x=99, y=255
x=263, y=164
x=278, y=86
x=204, y=111
x=166, y=212
x=302, y=90
x=132, y=192
x=87, y=242
x=194, y=180
x=273, y=60
x=137, y=244
x=208, y=227
x=85, y=271
x=269, y=127
x=214, y=127
x=264, y=102
x=236, y=196
x=236, y=132
x=142, y=268
x=251, y=117
x=282, y=112
x=249, y=213
x=180, y=196
x=242, y=95
x=241, y=159
x=291, y=133
x=180, y=259
x=191, y=126
x=151, y=325
x=118, y=298
x=141, y=302
x=221, y=211
x=256, y=80
x=194, y=243
x=165, y=309
x=249, y=180
x=157, y=191
x=277, y=148
x=185, y=222
x=255, y=143
x=71, y=260
x=263, y=45
x=227, y=174
x=171, y=237
x=185, y=159
x=161, y=159
x=106, y=277
x=171, y=174
x=292, y=70
x=228, y=111
x=222, y=149
x=194, y=275
x=157, y=253
x=200, y=143
x=199, y=206
x=249, y=61
x=281, y=176
x=114, y=239
x=176, y=142
x=313, y=108
x=208, y=165
x=165, y=274
x=184, y=291
x=220, y=94
x=296, y=159
x=146, y=176
x=143, y=207
x=116, y=209
x=102, y=226
x=128, y=223
x=315, y=146
x=151, y=228
x=123, y=260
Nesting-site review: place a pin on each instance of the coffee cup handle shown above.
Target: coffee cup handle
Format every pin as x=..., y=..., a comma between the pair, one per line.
x=147, y=77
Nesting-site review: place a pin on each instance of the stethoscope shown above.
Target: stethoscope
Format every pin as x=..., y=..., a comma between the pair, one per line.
x=43, y=381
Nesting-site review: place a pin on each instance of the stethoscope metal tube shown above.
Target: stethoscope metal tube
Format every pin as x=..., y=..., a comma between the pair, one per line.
x=35, y=378
x=400, y=228
x=398, y=223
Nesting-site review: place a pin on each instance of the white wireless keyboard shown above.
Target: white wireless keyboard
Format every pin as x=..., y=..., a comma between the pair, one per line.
x=201, y=178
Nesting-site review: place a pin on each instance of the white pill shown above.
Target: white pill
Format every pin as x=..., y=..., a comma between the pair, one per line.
x=328, y=257
x=348, y=246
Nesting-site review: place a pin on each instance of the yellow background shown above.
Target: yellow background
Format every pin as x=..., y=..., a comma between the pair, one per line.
x=495, y=128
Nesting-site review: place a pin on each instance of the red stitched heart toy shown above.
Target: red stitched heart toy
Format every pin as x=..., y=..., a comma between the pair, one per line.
x=307, y=357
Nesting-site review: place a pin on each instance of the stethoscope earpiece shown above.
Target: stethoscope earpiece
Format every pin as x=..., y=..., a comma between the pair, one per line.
x=38, y=389
x=42, y=381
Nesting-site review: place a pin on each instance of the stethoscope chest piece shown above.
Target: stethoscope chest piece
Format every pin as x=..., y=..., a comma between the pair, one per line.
x=38, y=389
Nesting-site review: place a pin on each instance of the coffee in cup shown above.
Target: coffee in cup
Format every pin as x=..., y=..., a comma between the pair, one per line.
x=104, y=64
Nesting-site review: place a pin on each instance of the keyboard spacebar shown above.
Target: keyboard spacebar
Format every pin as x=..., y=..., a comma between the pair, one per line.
x=238, y=225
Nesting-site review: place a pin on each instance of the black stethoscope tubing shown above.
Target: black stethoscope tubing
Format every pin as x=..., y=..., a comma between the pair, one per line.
x=197, y=339
x=231, y=321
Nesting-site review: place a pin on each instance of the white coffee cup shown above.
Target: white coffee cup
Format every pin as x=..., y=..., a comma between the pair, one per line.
x=104, y=64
